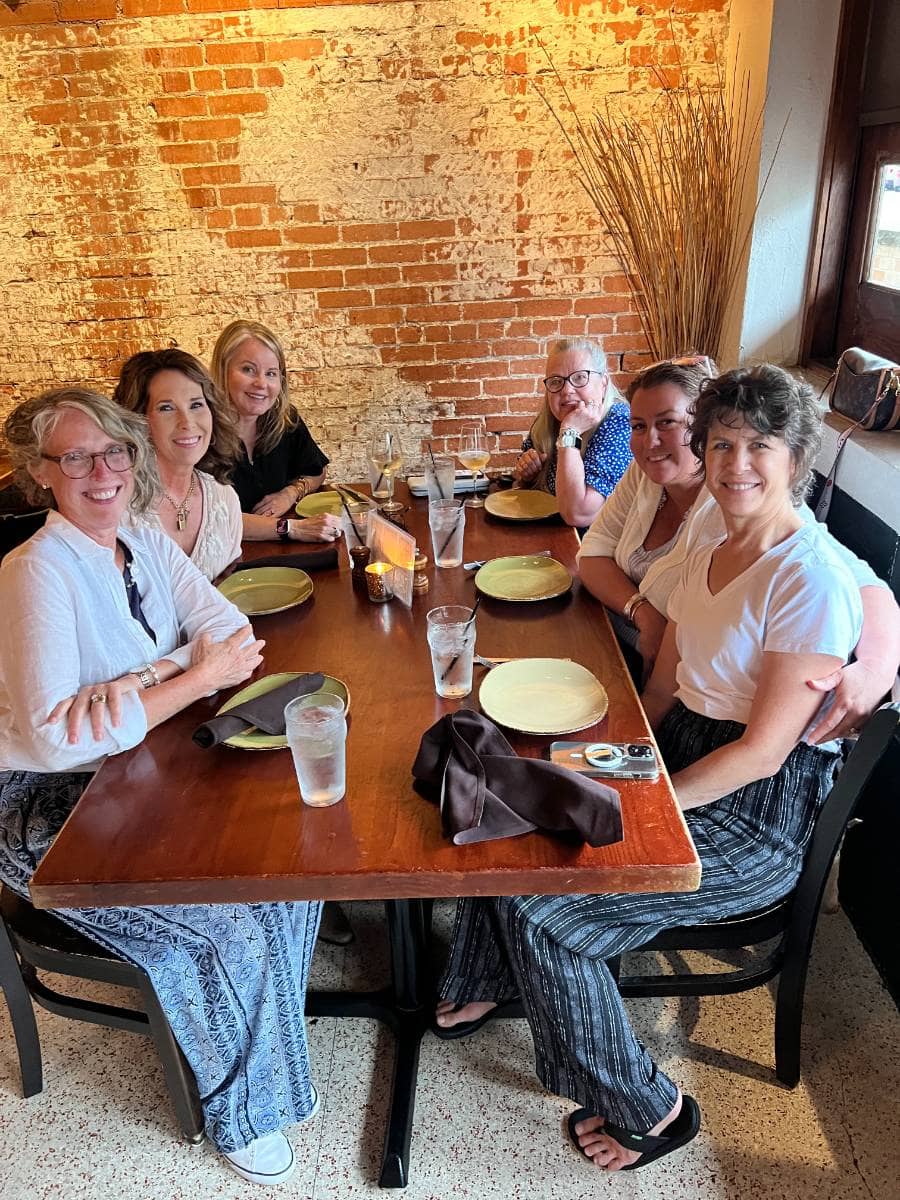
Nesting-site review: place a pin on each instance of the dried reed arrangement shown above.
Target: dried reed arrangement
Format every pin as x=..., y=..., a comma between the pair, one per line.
x=669, y=190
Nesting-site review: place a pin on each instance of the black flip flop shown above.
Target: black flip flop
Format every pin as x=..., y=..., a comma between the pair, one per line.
x=682, y=1130
x=465, y=1028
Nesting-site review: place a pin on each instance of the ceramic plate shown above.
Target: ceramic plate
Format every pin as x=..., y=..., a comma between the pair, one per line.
x=319, y=503
x=519, y=504
x=543, y=695
x=523, y=577
x=252, y=739
x=260, y=590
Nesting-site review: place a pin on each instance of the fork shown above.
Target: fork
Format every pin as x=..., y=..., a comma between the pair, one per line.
x=488, y=663
x=480, y=562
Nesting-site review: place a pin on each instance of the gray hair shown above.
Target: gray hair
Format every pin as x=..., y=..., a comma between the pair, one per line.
x=583, y=345
x=772, y=402
x=28, y=427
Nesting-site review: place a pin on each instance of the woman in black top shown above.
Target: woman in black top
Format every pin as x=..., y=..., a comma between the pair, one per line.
x=280, y=463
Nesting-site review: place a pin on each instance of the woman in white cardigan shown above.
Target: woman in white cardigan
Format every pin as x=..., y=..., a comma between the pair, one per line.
x=660, y=512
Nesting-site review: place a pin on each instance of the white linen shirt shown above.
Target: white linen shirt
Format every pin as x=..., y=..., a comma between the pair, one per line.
x=221, y=527
x=66, y=624
x=623, y=521
x=797, y=598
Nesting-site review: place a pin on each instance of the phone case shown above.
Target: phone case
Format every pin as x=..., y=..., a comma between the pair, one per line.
x=619, y=765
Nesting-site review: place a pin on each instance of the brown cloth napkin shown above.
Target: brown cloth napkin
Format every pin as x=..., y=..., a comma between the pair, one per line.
x=486, y=791
x=312, y=560
x=266, y=712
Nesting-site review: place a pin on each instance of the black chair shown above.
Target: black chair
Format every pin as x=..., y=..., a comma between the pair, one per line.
x=33, y=940
x=792, y=922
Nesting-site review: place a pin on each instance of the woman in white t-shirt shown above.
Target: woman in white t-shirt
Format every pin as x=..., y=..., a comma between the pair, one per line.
x=753, y=617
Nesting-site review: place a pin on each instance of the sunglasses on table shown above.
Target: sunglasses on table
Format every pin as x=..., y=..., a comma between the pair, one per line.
x=78, y=464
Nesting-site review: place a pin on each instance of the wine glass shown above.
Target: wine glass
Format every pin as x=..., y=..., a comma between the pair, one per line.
x=475, y=447
x=386, y=459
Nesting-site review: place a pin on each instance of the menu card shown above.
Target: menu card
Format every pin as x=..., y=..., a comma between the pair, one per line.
x=390, y=544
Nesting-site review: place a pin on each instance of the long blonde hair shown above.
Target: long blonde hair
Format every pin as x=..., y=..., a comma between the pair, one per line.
x=28, y=427
x=545, y=427
x=271, y=426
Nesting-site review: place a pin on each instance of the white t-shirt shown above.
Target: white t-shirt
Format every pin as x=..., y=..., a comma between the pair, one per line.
x=66, y=623
x=798, y=598
x=221, y=527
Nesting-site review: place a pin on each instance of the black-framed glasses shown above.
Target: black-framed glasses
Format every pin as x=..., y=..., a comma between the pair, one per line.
x=78, y=464
x=578, y=379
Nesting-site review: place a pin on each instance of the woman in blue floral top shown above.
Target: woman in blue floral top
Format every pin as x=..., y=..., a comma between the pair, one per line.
x=578, y=447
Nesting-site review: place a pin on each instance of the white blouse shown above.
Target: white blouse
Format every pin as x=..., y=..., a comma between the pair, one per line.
x=66, y=623
x=221, y=527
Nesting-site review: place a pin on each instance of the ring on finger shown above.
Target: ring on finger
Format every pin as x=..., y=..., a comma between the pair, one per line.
x=98, y=697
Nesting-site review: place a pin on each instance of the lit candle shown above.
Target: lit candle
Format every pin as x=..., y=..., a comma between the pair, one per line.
x=378, y=581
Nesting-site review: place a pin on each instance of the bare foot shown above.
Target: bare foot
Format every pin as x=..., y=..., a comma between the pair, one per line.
x=447, y=1014
x=604, y=1151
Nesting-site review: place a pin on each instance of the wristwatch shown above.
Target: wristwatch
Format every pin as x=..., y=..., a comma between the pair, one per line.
x=283, y=529
x=568, y=438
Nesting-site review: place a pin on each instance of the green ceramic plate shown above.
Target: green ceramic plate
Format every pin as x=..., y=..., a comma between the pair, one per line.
x=262, y=590
x=523, y=577
x=319, y=503
x=519, y=504
x=543, y=695
x=252, y=739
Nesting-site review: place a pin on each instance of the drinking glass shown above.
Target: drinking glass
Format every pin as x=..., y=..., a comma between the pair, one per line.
x=475, y=446
x=440, y=476
x=451, y=639
x=447, y=521
x=316, y=728
x=385, y=460
x=354, y=526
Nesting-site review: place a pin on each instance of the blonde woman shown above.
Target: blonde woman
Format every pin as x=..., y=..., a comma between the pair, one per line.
x=577, y=448
x=279, y=462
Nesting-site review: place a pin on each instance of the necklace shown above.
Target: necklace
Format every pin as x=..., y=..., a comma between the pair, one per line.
x=662, y=500
x=182, y=510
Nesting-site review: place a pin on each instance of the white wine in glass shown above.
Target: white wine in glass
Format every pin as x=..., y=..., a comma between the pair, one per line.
x=386, y=457
x=475, y=446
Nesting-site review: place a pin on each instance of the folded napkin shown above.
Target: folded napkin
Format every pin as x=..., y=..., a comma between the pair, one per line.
x=312, y=560
x=265, y=712
x=486, y=791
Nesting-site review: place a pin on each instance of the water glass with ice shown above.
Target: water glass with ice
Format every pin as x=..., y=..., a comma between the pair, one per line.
x=316, y=728
x=440, y=477
x=451, y=639
x=447, y=519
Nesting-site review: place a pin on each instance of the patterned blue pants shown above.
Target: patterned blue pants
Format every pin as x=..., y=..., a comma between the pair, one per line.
x=231, y=978
x=551, y=950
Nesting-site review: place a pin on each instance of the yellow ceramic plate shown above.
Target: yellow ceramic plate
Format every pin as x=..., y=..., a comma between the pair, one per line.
x=319, y=503
x=543, y=695
x=252, y=738
x=261, y=590
x=519, y=504
x=523, y=577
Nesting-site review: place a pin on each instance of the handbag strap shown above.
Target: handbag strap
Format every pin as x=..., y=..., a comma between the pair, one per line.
x=824, y=502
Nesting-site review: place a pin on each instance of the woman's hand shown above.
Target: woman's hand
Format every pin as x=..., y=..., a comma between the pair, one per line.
x=858, y=690
x=324, y=528
x=527, y=465
x=79, y=706
x=582, y=415
x=229, y=662
x=277, y=503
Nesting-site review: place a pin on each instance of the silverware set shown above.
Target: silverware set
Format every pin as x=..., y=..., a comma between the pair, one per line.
x=481, y=562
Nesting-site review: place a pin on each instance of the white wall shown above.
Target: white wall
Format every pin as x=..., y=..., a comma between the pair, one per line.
x=800, y=67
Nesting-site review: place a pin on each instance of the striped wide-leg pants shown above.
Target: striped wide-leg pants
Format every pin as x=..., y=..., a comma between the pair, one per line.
x=552, y=950
x=231, y=978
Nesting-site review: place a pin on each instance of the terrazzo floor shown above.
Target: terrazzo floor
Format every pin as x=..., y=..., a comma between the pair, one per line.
x=484, y=1128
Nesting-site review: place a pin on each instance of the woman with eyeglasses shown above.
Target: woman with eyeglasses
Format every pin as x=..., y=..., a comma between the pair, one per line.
x=108, y=631
x=577, y=448
x=279, y=463
x=632, y=555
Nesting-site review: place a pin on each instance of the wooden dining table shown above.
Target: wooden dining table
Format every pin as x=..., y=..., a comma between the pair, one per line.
x=168, y=822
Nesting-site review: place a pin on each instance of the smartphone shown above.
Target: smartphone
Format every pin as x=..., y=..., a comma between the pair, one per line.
x=607, y=760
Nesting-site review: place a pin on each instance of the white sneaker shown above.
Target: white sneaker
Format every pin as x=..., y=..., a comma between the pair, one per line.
x=317, y=1104
x=268, y=1159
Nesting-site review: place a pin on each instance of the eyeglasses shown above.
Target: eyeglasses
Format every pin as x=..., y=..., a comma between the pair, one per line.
x=78, y=464
x=578, y=379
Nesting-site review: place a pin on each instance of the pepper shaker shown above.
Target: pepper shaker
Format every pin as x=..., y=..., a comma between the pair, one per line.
x=420, y=579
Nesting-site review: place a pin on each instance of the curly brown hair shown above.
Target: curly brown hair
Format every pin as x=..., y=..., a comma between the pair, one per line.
x=133, y=392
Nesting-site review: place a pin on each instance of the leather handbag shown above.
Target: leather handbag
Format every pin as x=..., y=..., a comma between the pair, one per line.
x=866, y=390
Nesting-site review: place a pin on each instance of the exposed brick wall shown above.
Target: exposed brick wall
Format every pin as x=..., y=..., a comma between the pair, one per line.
x=379, y=181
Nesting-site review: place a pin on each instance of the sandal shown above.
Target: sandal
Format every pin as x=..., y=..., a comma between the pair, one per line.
x=465, y=1028
x=650, y=1146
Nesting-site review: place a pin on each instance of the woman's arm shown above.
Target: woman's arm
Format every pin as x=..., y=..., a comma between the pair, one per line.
x=658, y=696
x=782, y=708
x=861, y=686
x=578, y=503
x=286, y=499
x=324, y=528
